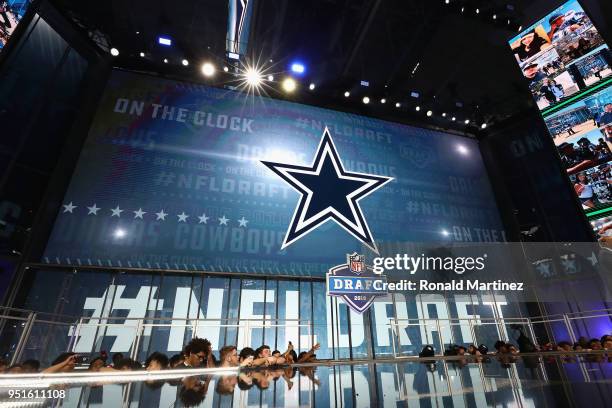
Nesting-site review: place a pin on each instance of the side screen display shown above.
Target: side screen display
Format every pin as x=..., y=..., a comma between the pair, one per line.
x=11, y=13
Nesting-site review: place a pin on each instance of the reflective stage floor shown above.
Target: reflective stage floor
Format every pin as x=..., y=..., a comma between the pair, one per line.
x=536, y=381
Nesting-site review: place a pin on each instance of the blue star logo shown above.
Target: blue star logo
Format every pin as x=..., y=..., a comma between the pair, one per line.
x=327, y=191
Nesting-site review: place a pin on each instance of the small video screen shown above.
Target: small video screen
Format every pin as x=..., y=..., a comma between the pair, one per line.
x=561, y=55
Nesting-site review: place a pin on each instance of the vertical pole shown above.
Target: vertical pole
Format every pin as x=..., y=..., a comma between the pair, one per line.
x=23, y=339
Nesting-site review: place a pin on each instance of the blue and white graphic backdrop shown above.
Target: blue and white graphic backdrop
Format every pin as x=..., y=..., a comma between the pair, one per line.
x=170, y=177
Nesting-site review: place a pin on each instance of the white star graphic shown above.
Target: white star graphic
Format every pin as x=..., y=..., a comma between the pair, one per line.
x=223, y=220
x=93, y=210
x=116, y=211
x=182, y=217
x=161, y=215
x=243, y=222
x=69, y=207
x=139, y=213
x=203, y=218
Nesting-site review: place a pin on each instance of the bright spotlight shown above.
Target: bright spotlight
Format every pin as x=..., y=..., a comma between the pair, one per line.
x=383, y=100
x=520, y=28
x=477, y=11
x=366, y=100
x=298, y=68
x=185, y=62
x=429, y=113
x=253, y=77
x=445, y=233
x=270, y=78
x=311, y=86
x=494, y=16
x=443, y=114
x=119, y=233
x=462, y=149
x=165, y=60
x=142, y=54
x=114, y=52
x=397, y=104
x=347, y=94
x=417, y=108
x=164, y=41
x=225, y=69
x=446, y=1
x=466, y=121
x=453, y=118
x=208, y=69
x=289, y=85
x=483, y=126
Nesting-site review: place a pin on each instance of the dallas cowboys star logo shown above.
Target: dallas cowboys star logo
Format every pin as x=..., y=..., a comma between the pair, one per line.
x=328, y=192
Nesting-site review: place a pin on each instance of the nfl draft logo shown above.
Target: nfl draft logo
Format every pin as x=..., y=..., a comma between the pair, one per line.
x=356, y=283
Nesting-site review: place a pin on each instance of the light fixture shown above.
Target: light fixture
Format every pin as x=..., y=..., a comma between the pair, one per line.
x=453, y=118
x=397, y=104
x=225, y=69
x=165, y=60
x=462, y=8
x=347, y=94
x=270, y=78
x=253, y=77
x=477, y=11
x=520, y=28
x=446, y=1
x=443, y=114
x=233, y=55
x=445, y=233
x=483, y=126
x=494, y=16
x=185, y=62
x=142, y=54
x=114, y=52
x=164, y=41
x=417, y=108
x=383, y=100
x=366, y=100
x=429, y=113
x=298, y=68
x=467, y=121
x=208, y=69
x=462, y=149
x=311, y=86
x=289, y=85
x=119, y=233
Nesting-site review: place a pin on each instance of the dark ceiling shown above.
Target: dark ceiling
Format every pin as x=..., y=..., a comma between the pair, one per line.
x=449, y=57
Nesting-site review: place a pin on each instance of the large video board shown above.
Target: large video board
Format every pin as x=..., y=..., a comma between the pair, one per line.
x=171, y=177
x=11, y=13
x=569, y=69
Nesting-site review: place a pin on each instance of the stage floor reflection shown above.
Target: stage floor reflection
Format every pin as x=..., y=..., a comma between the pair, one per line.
x=536, y=381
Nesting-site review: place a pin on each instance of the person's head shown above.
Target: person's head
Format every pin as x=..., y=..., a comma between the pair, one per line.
x=594, y=344
x=276, y=353
x=117, y=357
x=564, y=346
x=291, y=357
x=196, y=352
x=512, y=349
x=70, y=361
x=460, y=350
x=246, y=353
x=530, y=70
x=156, y=361
x=229, y=356
x=556, y=20
x=472, y=349
x=566, y=148
x=96, y=364
x=127, y=364
x=500, y=345
x=584, y=142
x=176, y=360
x=16, y=369
x=192, y=391
x=263, y=351
x=608, y=107
x=528, y=39
x=226, y=384
x=31, y=366
x=581, y=177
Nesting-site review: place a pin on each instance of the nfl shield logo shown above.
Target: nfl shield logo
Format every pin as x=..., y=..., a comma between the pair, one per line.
x=356, y=263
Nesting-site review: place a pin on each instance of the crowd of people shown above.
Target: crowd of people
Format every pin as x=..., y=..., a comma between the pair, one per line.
x=196, y=354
